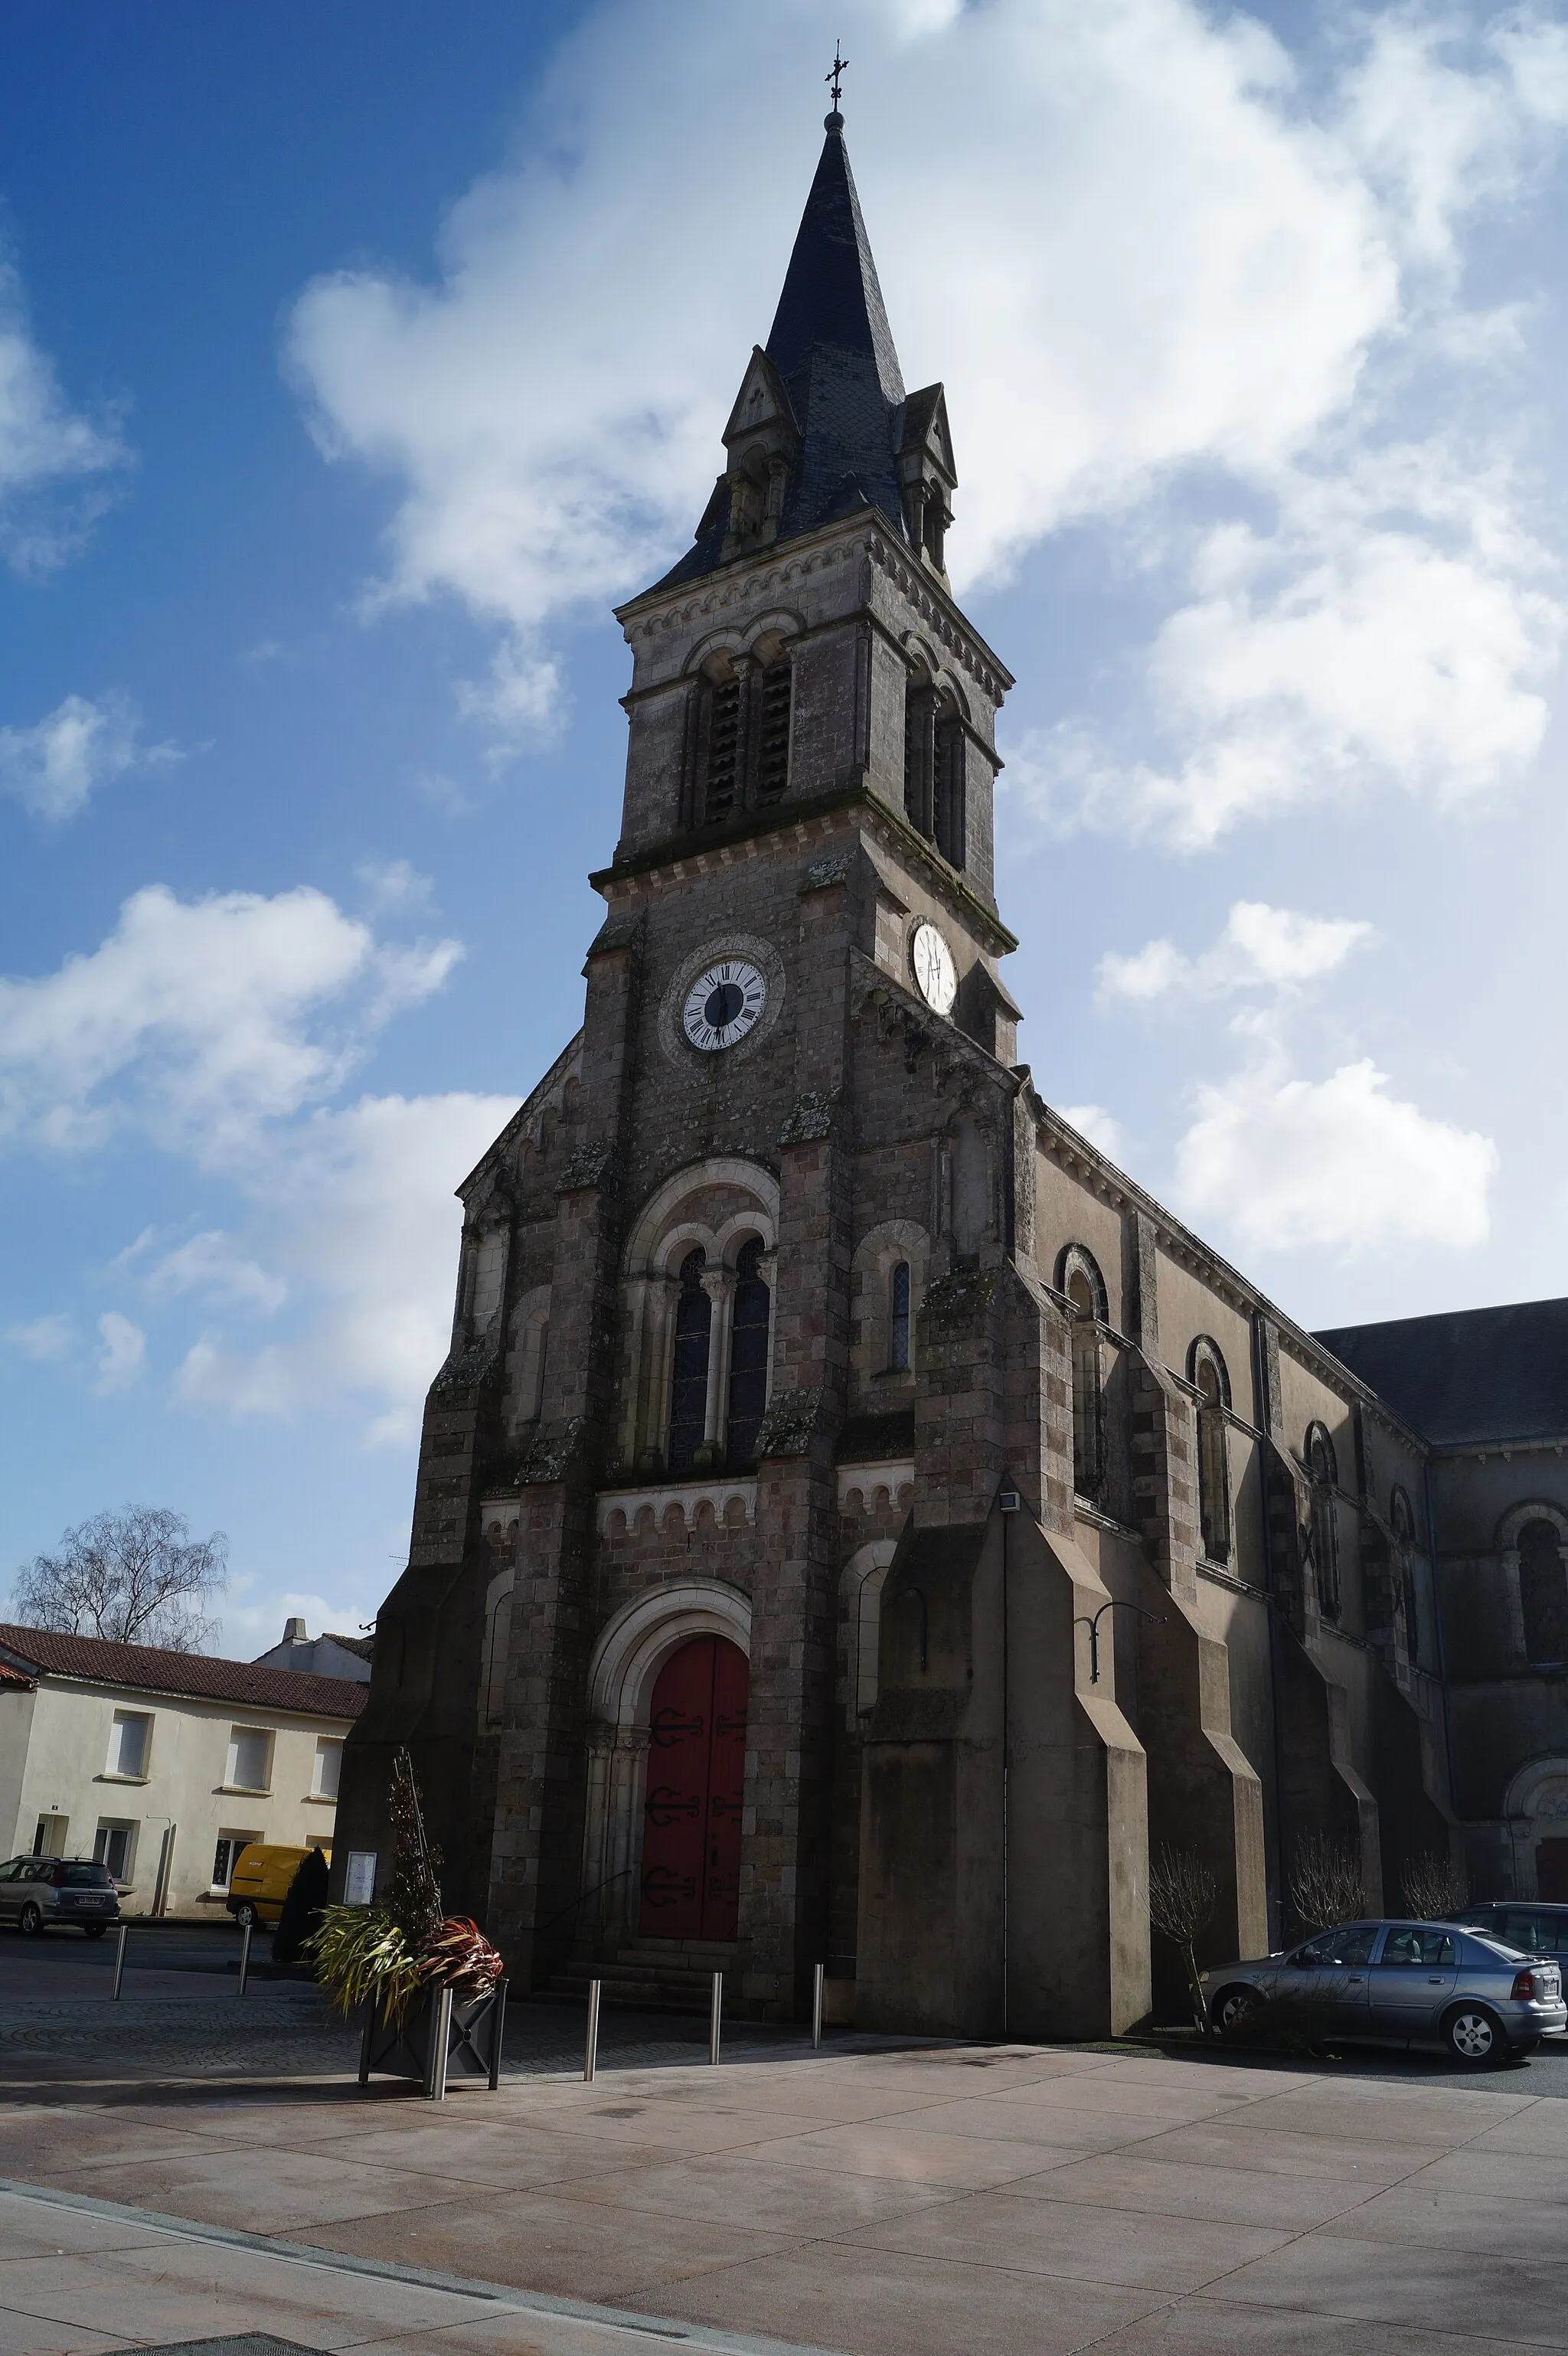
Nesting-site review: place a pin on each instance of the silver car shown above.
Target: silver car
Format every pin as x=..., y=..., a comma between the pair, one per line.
x=1399, y=1982
x=37, y=1891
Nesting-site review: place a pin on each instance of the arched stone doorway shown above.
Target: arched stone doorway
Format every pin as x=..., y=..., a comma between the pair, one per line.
x=695, y=1781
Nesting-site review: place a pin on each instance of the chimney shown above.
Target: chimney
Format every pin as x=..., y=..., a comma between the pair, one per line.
x=293, y=1633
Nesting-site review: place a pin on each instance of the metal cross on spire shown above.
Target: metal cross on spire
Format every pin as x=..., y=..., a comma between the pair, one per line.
x=836, y=76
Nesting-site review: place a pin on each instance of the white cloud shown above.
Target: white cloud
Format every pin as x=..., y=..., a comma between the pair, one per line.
x=392, y=883
x=123, y=1354
x=213, y=1266
x=1336, y=1165
x=1144, y=251
x=53, y=767
x=43, y=443
x=356, y=1208
x=1260, y=947
x=1101, y=1129
x=45, y=1340
x=201, y=1020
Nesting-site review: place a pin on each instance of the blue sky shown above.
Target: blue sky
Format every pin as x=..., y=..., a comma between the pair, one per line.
x=353, y=362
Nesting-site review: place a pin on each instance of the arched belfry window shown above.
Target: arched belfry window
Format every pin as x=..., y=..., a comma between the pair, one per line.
x=689, y=1384
x=1078, y=1276
x=748, y=1356
x=898, y=1318
x=1323, y=1472
x=1206, y=1369
x=934, y=771
x=1543, y=1593
x=743, y=737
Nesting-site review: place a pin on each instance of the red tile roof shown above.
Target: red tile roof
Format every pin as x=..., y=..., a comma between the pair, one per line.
x=17, y=1677
x=149, y=1669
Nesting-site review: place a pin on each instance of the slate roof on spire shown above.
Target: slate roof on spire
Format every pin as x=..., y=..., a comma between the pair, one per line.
x=831, y=343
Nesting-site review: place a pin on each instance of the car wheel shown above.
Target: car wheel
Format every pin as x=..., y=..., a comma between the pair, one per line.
x=1236, y=2014
x=1473, y=2034
x=29, y=1922
x=93, y=1929
x=245, y=1916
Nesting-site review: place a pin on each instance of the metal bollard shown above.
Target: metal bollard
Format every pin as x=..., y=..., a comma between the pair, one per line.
x=817, y=1977
x=715, y=2016
x=591, y=2049
x=442, y=2033
x=244, y=1956
x=119, y=1960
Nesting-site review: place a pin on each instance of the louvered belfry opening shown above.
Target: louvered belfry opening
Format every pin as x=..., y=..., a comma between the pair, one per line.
x=723, y=775
x=772, y=733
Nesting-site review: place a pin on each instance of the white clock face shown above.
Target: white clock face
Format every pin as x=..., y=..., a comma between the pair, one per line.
x=723, y=1004
x=933, y=968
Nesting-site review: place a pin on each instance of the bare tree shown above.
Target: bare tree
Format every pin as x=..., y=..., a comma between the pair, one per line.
x=1326, y=1883
x=1432, y=1886
x=136, y=1577
x=1182, y=1895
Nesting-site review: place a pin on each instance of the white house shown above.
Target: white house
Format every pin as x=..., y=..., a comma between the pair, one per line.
x=162, y=1764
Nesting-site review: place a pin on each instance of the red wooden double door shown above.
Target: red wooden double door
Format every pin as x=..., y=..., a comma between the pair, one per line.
x=697, y=1771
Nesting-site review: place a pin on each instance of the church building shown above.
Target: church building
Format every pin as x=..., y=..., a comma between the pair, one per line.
x=856, y=1524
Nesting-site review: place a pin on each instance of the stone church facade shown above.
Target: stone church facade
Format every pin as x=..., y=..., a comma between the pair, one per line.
x=855, y=1523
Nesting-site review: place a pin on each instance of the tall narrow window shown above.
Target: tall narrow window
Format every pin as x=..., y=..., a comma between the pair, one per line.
x=1088, y=1453
x=1325, y=1532
x=919, y=735
x=897, y=1319
x=747, y=1355
x=723, y=749
x=688, y=1389
x=772, y=733
x=1543, y=1593
x=948, y=819
x=1213, y=1459
x=1403, y=1521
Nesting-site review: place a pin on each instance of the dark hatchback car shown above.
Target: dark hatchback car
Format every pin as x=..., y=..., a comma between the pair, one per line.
x=1534, y=1928
x=39, y=1891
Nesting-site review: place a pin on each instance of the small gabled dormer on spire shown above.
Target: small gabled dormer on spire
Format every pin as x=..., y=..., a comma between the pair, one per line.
x=822, y=424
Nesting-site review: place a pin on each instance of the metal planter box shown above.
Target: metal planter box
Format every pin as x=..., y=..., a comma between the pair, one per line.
x=443, y=2036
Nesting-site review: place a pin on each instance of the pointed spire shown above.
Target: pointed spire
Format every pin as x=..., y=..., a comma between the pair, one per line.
x=831, y=299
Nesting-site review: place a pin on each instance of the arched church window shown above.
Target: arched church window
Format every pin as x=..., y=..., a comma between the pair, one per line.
x=688, y=1388
x=1402, y=1520
x=747, y=1355
x=1078, y=1276
x=1212, y=1385
x=773, y=732
x=1323, y=1473
x=948, y=815
x=897, y=1319
x=723, y=778
x=920, y=752
x=1543, y=1593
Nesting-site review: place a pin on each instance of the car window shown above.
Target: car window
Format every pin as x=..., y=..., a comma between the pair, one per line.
x=1356, y=1946
x=83, y=1877
x=1343, y=1947
x=1531, y=1929
x=1317, y=1951
x=11, y=1872
x=1484, y=1950
x=1433, y=1950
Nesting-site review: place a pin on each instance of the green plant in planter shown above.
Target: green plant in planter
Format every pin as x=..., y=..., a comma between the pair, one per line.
x=362, y=1957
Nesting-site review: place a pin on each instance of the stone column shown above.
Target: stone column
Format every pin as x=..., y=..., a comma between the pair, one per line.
x=719, y=1284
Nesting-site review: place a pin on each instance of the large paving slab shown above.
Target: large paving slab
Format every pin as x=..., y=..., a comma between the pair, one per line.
x=870, y=2200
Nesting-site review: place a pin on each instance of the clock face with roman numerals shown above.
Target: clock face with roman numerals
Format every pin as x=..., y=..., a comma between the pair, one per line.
x=723, y=1004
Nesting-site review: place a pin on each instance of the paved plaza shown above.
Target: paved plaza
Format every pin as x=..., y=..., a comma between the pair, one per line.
x=875, y=2199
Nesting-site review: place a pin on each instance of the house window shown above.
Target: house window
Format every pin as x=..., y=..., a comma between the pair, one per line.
x=328, y=1767
x=948, y=815
x=1212, y=1386
x=897, y=1319
x=1403, y=1522
x=1323, y=1473
x=747, y=1355
x=225, y=1856
x=1543, y=1593
x=688, y=1389
x=115, y=1845
x=723, y=749
x=130, y=1742
x=249, y=1759
x=773, y=733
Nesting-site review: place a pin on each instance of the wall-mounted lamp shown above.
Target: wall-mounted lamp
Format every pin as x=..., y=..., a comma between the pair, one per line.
x=1114, y=1604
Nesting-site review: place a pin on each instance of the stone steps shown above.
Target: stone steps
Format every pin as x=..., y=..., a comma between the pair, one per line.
x=653, y=1976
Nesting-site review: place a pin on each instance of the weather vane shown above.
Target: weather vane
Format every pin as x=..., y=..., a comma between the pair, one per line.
x=836, y=76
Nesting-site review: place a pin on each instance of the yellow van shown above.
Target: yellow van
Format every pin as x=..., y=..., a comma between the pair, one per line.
x=260, y=1880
